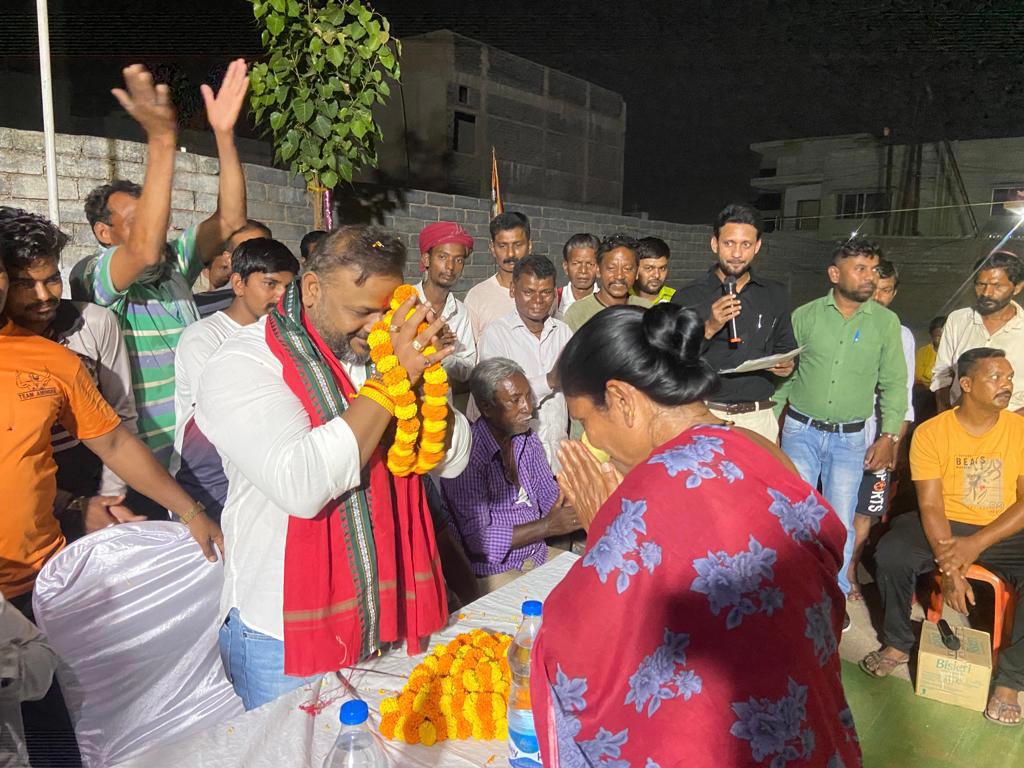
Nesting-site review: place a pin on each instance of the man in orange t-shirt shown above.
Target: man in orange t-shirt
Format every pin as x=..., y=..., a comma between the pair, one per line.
x=968, y=469
x=41, y=383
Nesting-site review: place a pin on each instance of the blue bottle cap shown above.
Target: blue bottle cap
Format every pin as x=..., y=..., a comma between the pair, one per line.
x=532, y=608
x=354, y=713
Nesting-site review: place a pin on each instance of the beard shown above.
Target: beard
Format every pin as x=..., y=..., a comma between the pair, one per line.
x=990, y=306
x=858, y=295
x=339, y=343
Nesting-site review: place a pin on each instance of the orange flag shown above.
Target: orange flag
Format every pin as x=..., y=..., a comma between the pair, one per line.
x=496, y=205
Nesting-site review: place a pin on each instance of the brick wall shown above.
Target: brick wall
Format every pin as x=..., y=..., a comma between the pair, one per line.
x=85, y=162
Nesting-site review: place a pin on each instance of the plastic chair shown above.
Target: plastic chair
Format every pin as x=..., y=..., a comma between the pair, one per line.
x=1005, y=605
x=133, y=613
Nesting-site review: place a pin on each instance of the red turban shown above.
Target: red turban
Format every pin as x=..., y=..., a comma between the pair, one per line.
x=444, y=232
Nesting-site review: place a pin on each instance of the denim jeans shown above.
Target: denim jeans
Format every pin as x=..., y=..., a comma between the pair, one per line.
x=837, y=459
x=254, y=663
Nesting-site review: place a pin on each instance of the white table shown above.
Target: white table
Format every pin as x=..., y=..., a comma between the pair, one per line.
x=298, y=729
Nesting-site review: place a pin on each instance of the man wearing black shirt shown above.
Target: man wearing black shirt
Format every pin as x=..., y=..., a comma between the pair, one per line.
x=760, y=308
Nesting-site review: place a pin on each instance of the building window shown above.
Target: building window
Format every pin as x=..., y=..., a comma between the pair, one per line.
x=463, y=94
x=807, y=214
x=1005, y=194
x=857, y=205
x=464, y=133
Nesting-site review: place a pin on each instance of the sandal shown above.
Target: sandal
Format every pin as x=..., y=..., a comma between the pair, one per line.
x=1002, y=708
x=878, y=665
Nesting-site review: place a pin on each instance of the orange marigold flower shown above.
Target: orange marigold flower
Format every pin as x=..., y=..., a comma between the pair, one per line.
x=412, y=426
x=406, y=398
x=434, y=412
x=395, y=375
x=401, y=295
x=435, y=390
x=387, y=725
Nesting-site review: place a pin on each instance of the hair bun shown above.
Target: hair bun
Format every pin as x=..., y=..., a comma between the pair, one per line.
x=675, y=331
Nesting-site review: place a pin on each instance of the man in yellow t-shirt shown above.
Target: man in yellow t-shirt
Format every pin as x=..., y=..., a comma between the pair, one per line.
x=968, y=469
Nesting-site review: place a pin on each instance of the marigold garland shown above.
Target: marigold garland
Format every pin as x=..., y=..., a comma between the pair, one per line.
x=403, y=458
x=460, y=691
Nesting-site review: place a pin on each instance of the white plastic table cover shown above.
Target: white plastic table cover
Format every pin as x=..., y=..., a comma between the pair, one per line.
x=298, y=729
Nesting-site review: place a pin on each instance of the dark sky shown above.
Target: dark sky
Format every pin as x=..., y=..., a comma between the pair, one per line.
x=701, y=79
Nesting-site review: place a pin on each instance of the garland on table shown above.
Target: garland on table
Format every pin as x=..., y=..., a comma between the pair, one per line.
x=404, y=457
x=460, y=691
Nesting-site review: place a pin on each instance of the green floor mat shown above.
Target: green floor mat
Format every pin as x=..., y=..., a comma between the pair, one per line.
x=899, y=729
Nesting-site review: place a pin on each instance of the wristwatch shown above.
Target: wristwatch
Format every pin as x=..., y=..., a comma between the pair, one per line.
x=192, y=514
x=895, y=438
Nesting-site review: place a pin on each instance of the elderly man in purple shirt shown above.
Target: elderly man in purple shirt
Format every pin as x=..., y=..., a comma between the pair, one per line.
x=505, y=503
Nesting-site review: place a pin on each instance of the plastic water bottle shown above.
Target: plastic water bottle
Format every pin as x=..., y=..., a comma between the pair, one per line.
x=523, y=749
x=355, y=746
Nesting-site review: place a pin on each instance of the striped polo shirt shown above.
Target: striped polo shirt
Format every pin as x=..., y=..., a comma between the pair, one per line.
x=153, y=311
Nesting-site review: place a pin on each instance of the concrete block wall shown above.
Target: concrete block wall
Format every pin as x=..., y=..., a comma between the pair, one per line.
x=85, y=162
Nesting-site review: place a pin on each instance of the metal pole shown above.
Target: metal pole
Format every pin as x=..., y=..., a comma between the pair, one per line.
x=46, y=83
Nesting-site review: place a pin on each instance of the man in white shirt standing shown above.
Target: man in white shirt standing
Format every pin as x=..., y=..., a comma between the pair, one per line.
x=261, y=269
x=489, y=300
x=579, y=261
x=995, y=321
x=318, y=524
x=444, y=249
x=532, y=338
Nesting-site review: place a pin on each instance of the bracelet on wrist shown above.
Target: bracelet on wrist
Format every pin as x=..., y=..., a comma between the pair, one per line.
x=192, y=514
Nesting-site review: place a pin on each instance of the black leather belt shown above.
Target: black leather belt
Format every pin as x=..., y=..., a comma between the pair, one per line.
x=827, y=426
x=735, y=408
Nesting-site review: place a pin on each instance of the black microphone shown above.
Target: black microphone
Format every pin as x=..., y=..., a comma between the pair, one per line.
x=730, y=287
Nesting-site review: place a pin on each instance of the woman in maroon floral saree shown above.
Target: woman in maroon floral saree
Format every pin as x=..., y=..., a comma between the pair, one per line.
x=701, y=626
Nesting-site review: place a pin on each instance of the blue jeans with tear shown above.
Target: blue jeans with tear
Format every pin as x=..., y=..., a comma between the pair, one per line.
x=837, y=459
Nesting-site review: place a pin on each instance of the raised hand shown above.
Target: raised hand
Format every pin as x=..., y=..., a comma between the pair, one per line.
x=585, y=482
x=222, y=109
x=150, y=106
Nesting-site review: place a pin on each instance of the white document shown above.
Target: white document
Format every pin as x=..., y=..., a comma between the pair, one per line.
x=763, y=363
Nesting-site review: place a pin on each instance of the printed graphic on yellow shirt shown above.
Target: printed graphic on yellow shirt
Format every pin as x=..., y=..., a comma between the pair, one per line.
x=980, y=478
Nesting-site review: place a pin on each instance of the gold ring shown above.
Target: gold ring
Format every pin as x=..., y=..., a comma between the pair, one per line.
x=393, y=328
x=416, y=345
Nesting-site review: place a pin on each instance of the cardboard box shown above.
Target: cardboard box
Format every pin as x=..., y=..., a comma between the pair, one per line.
x=955, y=677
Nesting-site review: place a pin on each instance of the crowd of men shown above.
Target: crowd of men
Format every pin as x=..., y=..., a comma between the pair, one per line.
x=216, y=378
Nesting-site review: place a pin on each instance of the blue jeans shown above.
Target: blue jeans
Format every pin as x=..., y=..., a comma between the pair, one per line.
x=254, y=663
x=837, y=459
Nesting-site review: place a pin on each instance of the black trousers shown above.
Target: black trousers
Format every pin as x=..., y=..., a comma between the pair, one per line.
x=903, y=554
x=49, y=734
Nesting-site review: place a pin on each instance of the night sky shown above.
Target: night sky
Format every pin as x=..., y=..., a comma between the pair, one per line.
x=702, y=80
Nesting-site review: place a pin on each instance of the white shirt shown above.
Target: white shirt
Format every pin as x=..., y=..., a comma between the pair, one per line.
x=277, y=465
x=509, y=337
x=460, y=363
x=29, y=663
x=568, y=299
x=909, y=353
x=196, y=346
x=486, y=302
x=964, y=330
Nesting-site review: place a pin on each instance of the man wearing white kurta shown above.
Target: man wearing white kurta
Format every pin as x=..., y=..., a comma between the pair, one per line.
x=533, y=339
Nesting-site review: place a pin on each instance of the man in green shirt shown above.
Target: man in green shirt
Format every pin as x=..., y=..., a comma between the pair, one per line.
x=137, y=274
x=851, y=346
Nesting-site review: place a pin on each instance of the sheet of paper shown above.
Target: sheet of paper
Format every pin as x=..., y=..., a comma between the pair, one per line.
x=763, y=363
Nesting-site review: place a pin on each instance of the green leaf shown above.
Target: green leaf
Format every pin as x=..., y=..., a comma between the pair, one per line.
x=387, y=58
x=275, y=24
x=359, y=128
x=276, y=120
x=334, y=15
x=364, y=15
x=321, y=126
x=279, y=5
x=315, y=46
x=281, y=94
x=357, y=68
x=287, y=149
x=302, y=110
x=384, y=89
x=329, y=108
x=294, y=9
x=259, y=8
x=345, y=169
x=329, y=179
x=366, y=98
x=335, y=54
x=355, y=31
x=341, y=130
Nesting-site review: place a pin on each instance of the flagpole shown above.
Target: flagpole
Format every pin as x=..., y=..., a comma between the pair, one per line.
x=46, y=83
x=497, y=206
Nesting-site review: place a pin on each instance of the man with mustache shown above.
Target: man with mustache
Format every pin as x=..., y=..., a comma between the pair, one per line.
x=967, y=464
x=653, y=255
x=616, y=273
x=261, y=269
x=995, y=320
x=532, y=338
x=444, y=250
x=760, y=308
x=489, y=300
x=852, y=346
x=332, y=554
x=32, y=247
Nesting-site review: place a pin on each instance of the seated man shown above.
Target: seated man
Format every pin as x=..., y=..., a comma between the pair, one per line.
x=32, y=248
x=506, y=503
x=968, y=467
